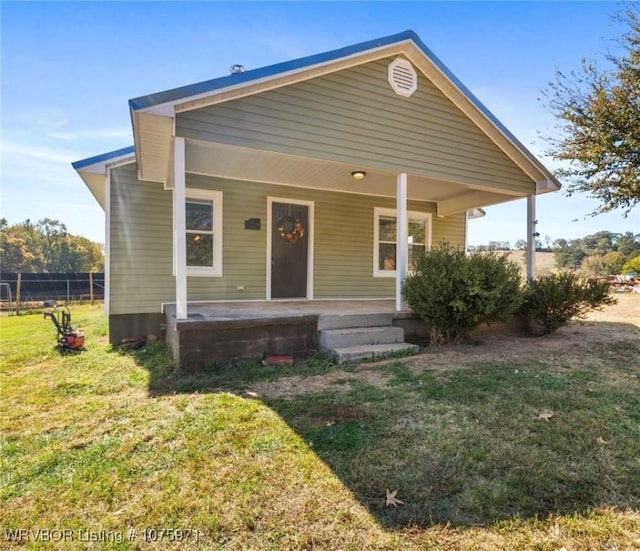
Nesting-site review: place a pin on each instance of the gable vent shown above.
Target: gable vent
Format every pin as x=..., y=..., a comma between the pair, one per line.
x=402, y=77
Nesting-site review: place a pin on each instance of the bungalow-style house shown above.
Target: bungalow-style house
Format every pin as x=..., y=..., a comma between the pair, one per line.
x=255, y=208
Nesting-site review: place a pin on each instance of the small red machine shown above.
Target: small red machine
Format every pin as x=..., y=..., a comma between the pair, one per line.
x=68, y=337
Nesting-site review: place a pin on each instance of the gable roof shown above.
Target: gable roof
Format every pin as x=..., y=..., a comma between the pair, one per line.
x=152, y=115
x=169, y=98
x=183, y=93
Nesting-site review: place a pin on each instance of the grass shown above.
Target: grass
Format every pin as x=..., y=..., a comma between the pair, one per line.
x=107, y=442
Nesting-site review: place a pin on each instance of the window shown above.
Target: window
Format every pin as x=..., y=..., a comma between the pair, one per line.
x=203, y=222
x=384, y=236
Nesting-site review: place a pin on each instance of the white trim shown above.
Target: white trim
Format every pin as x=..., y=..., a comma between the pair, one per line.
x=467, y=217
x=402, y=238
x=216, y=197
x=545, y=186
x=310, y=232
x=107, y=243
x=179, y=217
x=411, y=215
x=531, y=237
x=101, y=166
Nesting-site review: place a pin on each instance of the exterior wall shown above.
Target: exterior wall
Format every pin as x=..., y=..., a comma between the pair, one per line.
x=142, y=243
x=354, y=116
x=141, y=253
x=343, y=241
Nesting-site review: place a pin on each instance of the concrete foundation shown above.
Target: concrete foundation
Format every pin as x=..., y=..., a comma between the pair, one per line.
x=135, y=326
x=199, y=343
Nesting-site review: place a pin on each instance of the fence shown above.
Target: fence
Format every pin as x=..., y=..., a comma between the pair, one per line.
x=21, y=289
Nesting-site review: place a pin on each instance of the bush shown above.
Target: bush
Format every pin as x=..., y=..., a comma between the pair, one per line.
x=552, y=301
x=455, y=293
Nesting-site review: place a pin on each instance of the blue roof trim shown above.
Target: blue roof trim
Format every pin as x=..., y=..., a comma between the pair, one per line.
x=265, y=72
x=104, y=157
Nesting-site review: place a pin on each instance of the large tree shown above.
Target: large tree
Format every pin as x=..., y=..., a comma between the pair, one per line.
x=46, y=247
x=598, y=124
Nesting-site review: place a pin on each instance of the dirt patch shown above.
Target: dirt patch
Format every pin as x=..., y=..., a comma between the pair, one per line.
x=338, y=381
x=596, y=342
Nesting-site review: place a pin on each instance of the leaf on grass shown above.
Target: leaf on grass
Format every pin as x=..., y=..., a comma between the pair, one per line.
x=601, y=441
x=252, y=394
x=392, y=499
x=546, y=414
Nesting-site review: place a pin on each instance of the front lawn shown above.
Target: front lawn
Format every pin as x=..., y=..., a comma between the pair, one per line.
x=513, y=444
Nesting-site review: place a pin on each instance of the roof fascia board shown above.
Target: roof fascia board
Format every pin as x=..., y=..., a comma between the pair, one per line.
x=476, y=111
x=262, y=85
x=99, y=163
x=179, y=95
x=477, y=104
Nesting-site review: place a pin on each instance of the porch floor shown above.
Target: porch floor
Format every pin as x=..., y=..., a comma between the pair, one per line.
x=235, y=311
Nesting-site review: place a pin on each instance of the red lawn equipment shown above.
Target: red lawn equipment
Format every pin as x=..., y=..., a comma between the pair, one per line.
x=68, y=337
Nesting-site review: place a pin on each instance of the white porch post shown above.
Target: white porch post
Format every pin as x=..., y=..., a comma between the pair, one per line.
x=531, y=236
x=179, y=228
x=402, y=230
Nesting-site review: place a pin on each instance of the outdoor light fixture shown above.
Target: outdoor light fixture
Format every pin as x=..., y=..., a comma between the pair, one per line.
x=358, y=175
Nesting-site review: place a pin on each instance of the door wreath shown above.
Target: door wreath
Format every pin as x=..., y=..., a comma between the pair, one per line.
x=290, y=229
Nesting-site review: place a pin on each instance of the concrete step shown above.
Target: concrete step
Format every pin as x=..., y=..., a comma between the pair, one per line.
x=356, y=336
x=371, y=352
x=338, y=321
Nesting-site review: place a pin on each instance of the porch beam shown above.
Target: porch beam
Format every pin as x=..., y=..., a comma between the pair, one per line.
x=179, y=227
x=467, y=200
x=531, y=236
x=402, y=237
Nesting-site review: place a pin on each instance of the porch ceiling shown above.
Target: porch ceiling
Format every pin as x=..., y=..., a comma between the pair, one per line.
x=239, y=163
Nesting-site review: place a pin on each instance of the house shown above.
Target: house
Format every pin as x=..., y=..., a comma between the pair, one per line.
x=311, y=180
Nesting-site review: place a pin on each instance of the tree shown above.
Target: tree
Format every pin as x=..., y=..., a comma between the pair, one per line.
x=46, y=247
x=632, y=266
x=614, y=261
x=569, y=258
x=628, y=243
x=598, y=128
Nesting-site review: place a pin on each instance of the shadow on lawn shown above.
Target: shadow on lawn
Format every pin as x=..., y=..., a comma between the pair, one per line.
x=463, y=446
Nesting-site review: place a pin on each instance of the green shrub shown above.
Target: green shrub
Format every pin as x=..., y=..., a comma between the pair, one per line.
x=455, y=292
x=632, y=265
x=551, y=301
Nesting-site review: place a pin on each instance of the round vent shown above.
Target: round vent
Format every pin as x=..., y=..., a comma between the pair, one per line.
x=402, y=77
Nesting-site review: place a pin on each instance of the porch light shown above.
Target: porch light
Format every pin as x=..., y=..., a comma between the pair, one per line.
x=358, y=175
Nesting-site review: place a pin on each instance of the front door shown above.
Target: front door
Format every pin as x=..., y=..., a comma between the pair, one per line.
x=289, y=250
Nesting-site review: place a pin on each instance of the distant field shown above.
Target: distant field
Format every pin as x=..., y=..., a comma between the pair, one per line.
x=544, y=261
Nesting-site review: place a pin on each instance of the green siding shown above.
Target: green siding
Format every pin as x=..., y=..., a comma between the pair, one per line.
x=141, y=252
x=354, y=116
x=142, y=249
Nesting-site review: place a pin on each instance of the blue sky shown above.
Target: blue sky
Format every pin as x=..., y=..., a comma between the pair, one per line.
x=68, y=69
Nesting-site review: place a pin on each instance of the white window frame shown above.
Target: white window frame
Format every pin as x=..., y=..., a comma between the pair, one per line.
x=216, y=198
x=411, y=215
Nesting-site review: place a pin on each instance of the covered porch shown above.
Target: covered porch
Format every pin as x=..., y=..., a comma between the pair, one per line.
x=228, y=332
x=237, y=164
